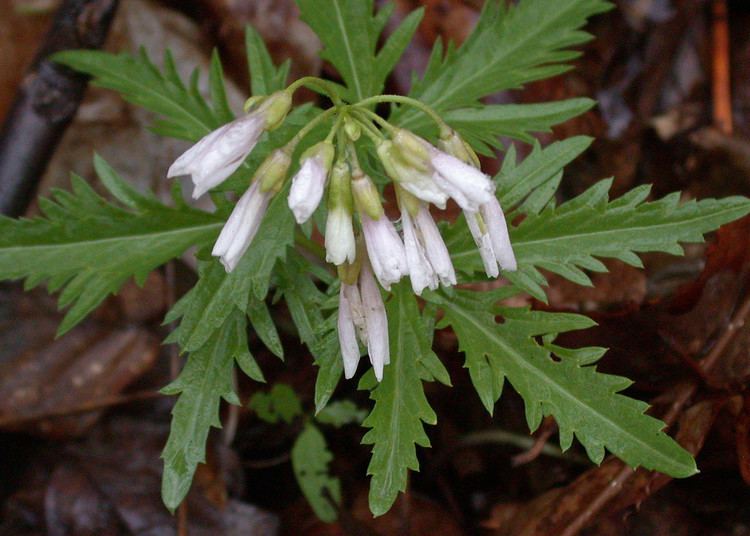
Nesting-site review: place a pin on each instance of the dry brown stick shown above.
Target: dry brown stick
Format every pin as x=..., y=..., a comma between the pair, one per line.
x=47, y=100
x=101, y=403
x=720, y=81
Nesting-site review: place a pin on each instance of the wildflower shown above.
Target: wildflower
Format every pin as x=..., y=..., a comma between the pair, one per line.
x=490, y=232
x=376, y=321
x=487, y=224
x=339, y=239
x=384, y=246
x=362, y=315
x=309, y=182
x=467, y=185
x=426, y=253
x=350, y=319
x=245, y=219
x=417, y=180
x=217, y=155
x=241, y=226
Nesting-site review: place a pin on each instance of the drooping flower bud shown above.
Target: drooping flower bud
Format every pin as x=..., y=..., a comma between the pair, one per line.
x=366, y=196
x=309, y=183
x=350, y=319
x=241, y=227
x=384, y=246
x=426, y=253
x=275, y=108
x=362, y=315
x=218, y=154
x=451, y=143
x=415, y=180
x=490, y=233
x=467, y=185
x=376, y=321
x=339, y=239
x=272, y=172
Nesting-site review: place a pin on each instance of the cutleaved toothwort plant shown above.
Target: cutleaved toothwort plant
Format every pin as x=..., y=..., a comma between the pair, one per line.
x=384, y=278
x=422, y=175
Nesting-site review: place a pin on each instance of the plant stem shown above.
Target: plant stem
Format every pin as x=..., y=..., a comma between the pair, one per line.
x=401, y=99
x=304, y=131
x=316, y=83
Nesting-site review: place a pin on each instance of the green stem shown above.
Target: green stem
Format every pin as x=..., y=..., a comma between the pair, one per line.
x=304, y=131
x=336, y=126
x=315, y=83
x=375, y=117
x=401, y=99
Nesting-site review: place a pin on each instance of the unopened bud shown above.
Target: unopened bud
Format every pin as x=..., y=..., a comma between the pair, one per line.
x=323, y=151
x=412, y=149
x=272, y=171
x=275, y=108
x=454, y=145
x=340, y=188
x=366, y=196
x=352, y=128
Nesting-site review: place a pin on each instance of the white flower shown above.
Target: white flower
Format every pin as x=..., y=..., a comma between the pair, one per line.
x=498, y=231
x=426, y=253
x=362, y=316
x=215, y=157
x=483, y=242
x=385, y=249
x=309, y=183
x=376, y=321
x=218, y=154
x=339, y=239
x=490, y=232
x=241, y=226
x=422, y=169
x=350, y=319
x=384, y=246
x=467, y=185
x=416, y=181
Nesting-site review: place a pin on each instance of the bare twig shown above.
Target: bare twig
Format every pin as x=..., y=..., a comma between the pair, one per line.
x=47, y=101
x=722, y=101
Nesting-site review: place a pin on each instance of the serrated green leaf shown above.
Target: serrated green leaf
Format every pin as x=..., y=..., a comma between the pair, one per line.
x=183, y=112
x=280, y=403
x=567, y=239
x=584, y=402
x=305, y=302
x=203, y=382
x=89, y=247
x=310, y=459
x=482, y=126
x=401, y=407
x=218, y=91
x=538, y=170
x=265, y=77
x=263, y=325
x=218, y=294
x=508, y=48
x=349, y=30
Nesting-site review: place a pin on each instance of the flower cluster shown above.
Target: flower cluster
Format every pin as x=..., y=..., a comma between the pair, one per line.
x=360, y=239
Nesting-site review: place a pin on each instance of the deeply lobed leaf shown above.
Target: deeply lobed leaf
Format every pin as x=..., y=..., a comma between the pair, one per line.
x=585, y=403
x=88, y=247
